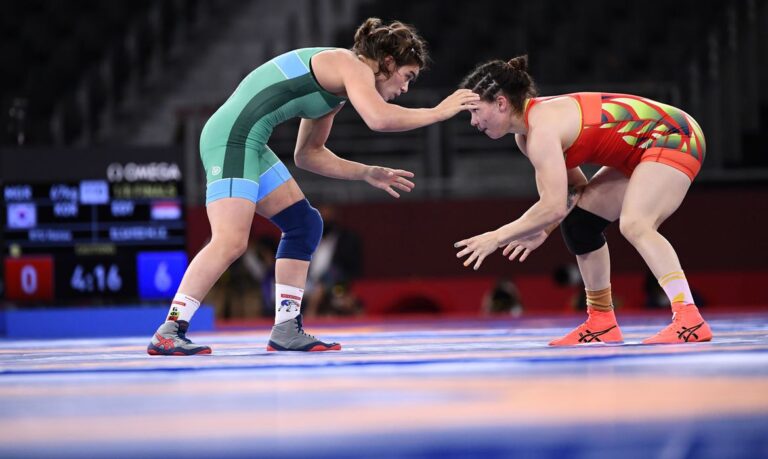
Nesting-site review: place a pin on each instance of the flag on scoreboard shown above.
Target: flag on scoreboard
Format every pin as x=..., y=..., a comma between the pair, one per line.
x=22, y=215
x=166, y=210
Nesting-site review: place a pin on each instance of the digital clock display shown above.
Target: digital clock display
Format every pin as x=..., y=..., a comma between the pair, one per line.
x=95, y=225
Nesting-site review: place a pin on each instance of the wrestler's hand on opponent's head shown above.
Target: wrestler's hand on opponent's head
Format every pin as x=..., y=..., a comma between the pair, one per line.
x=461, y=99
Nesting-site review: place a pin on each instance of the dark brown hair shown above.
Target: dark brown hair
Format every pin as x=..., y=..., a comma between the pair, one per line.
x=511, y=78
x=376, y=41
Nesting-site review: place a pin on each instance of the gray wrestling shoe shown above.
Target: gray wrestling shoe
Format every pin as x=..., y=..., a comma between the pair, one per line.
x=290, y=336
x=171, y=339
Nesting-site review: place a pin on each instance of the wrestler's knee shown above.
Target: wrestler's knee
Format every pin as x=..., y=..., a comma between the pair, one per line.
x=583, y=231
x=634, y=227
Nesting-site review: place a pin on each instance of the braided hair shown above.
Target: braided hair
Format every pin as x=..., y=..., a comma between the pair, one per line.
x=511, y=78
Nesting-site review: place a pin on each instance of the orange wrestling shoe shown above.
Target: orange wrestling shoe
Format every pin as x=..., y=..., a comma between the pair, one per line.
x=600, y=327
x=687, y=327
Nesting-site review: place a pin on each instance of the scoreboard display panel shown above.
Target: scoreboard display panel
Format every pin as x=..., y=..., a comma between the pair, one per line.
x=91, y=225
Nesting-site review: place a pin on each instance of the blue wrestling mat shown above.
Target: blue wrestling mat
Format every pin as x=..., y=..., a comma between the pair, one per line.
x=426, y=389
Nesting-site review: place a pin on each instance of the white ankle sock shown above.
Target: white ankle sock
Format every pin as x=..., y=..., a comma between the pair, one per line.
x=676, y=287
x=287, y=302
x=183, y=307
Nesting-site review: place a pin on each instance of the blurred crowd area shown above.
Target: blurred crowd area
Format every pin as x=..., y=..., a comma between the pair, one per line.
x=246, y=290
x=85, y=71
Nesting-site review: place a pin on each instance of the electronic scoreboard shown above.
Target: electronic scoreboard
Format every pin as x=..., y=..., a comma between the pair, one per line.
x=92, y=225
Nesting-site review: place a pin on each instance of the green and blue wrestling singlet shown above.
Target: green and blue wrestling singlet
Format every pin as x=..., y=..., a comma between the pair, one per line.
x=233, y=144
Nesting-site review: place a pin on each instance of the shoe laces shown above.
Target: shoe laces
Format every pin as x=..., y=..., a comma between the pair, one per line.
x=182, y=335
x=300, y=328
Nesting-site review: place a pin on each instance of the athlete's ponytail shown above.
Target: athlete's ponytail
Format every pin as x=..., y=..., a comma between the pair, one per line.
x=365, y=29
x=511, y=78
x=519, y=64
x=376, y=41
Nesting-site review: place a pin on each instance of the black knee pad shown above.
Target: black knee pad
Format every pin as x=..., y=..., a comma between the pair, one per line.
x=583, y=231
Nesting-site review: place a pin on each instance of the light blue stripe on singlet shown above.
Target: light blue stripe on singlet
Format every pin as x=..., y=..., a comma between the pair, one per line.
x=273, y=178
x=291, y=65
x=248, y=189
x=217, y=190
x=232, y=188
x=244, y=188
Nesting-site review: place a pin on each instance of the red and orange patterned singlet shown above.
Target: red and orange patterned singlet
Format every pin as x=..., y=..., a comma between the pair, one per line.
x=621, y=130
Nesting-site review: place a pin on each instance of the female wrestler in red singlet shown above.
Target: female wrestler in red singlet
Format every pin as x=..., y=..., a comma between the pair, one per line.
x=650, y=153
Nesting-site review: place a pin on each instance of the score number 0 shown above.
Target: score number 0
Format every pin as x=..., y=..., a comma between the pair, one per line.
x=29, y=279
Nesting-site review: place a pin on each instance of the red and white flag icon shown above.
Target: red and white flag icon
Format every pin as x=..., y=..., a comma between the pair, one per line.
x=166, y=210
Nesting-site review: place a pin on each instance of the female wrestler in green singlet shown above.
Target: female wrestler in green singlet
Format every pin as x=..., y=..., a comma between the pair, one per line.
x=245, y=177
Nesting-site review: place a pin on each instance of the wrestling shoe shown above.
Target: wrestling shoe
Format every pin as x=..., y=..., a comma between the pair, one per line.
x=171, y=339
x=600, y=327
x=290, y=336
x=687, y=327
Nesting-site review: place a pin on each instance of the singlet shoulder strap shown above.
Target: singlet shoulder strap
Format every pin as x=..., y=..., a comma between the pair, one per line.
x=529, y=103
